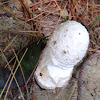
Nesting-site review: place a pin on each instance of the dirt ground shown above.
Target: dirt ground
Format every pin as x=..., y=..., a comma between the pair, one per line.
x=90, y=85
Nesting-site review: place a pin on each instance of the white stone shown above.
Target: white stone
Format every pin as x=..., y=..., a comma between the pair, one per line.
x=66, y=47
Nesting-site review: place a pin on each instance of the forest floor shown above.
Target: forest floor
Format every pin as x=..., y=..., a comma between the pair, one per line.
x=23, y=23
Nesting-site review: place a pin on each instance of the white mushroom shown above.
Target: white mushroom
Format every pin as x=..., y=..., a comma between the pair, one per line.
x=66, y=47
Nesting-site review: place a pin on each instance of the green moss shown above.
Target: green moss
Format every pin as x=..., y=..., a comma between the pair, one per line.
x=30, y=59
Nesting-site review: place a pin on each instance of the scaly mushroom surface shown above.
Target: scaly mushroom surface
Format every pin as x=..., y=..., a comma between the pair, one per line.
x=66, y=47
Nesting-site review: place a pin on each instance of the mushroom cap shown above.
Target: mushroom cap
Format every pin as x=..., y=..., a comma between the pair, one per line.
x=68, y=44
x=66, y=47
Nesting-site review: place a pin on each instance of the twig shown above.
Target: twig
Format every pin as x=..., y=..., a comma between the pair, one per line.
x=19, y=66
x=17, y=53
x=14, y=74
x=10, y=77
x=72, y=90
x=25, y=33
x=6, y=82
x=9, y=45
x=81, y=73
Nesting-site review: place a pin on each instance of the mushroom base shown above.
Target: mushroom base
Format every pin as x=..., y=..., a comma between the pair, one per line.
x=52, y=76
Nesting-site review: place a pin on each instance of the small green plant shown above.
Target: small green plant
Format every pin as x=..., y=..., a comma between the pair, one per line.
x=97, y=19
x=29, y=61
x=64, y=0
x=0, y=93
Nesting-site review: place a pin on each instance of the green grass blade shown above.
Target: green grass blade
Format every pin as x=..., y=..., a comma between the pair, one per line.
x=95, y=22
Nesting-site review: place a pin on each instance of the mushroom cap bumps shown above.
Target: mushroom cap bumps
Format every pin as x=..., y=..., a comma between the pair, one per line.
x=66, y=47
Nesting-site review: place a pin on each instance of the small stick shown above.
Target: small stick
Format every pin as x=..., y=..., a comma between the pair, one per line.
x=79, y=97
